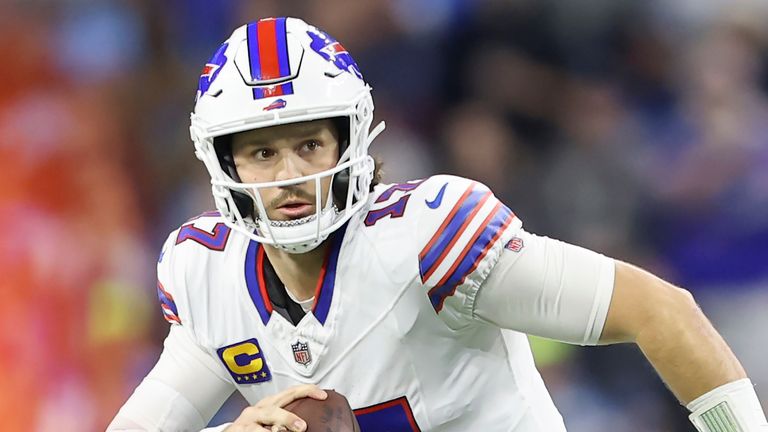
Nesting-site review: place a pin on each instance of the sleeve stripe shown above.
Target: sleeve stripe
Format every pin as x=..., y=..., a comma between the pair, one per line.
x=451, y=230
x=169, y=315
x=445, y=223
x=173, y=319
x=166, y=309
x=166, y=301
x=452, y=234
x=484, y=238
x=436, y=293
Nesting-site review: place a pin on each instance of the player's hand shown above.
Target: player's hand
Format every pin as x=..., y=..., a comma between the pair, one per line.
x=268, y=414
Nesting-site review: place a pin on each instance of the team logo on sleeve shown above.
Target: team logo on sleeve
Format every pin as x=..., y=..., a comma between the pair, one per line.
x=245, y=362
x=301, y=353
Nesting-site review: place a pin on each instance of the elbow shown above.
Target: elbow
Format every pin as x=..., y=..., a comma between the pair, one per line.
x=672, y=312
x=676, y=306
x=645, y=307
x=685, y=299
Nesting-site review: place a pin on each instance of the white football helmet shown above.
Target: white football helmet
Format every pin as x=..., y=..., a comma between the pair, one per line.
x=277, y=71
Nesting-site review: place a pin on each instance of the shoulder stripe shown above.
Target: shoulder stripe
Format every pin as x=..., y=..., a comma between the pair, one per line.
x=473, y=253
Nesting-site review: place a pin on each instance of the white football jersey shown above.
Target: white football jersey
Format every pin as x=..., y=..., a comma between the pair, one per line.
x=392, y=325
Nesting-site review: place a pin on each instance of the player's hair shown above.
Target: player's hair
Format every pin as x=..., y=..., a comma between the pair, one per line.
x=378, y=171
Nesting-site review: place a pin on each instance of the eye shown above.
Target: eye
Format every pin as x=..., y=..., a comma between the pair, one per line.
x=312, y=145
x=263, y=153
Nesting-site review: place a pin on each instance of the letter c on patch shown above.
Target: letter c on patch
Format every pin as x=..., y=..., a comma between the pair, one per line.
x=243, y=359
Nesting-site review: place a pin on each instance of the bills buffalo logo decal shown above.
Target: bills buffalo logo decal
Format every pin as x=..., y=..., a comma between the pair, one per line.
x=211, y=70
x=331, y=50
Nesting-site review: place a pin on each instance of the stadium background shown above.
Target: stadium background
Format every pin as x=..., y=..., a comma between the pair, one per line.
x=637, y=128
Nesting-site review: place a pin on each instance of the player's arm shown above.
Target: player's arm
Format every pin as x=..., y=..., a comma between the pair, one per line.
x=560, y=291
x=683, y=347
x=670, y=329
x=185, y=389
x=182, y=392
x=186, y=386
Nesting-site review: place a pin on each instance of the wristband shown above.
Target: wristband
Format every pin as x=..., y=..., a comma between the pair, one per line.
x=732, y=407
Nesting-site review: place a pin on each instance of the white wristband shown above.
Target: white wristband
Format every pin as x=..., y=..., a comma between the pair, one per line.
x=732, y=407
x=218, y=428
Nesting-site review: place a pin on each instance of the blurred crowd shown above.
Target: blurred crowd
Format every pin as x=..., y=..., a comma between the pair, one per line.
x=638, y=128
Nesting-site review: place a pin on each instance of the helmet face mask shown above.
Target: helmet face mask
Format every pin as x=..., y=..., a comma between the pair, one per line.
x=274, y=72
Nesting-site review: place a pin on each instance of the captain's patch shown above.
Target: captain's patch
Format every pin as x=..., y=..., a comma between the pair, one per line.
x=245, y=362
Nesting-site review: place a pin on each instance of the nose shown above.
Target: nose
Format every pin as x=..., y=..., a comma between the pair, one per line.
x=288, y=168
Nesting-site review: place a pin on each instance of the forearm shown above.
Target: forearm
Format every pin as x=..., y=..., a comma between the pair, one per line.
x=686, y=351
x=673, y=333
x=182, y=392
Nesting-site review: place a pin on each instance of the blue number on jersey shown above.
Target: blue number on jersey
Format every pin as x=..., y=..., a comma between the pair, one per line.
x=216, y=240
x=390, y=416
x=396, y=209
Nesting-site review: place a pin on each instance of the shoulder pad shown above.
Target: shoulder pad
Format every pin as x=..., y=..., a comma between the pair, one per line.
x=458, y=228
x=187, y=246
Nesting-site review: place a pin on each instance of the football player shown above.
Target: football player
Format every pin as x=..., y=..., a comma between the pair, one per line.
x=411, y=299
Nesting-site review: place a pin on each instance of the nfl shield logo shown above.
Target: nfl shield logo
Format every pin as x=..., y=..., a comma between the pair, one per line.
x=301, y=353
x=516, y=244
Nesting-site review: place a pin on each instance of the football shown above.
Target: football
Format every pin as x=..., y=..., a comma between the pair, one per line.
x=330, y=415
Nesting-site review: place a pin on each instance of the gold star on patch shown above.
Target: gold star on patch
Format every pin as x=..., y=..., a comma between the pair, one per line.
x=263, y=374
x=239, y=379
x=254, y=376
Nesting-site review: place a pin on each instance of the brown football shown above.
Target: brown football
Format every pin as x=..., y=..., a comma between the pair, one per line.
x=330, y=415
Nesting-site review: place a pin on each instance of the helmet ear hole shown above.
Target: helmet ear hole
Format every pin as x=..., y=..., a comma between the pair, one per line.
x=342, y=129
x=340, y=188
x=244, y=204
x=223, y=147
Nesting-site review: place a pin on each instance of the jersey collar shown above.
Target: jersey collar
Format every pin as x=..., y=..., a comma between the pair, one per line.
x=255, y=259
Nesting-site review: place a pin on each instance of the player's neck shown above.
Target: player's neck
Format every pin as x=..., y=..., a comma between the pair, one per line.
x=298, y=272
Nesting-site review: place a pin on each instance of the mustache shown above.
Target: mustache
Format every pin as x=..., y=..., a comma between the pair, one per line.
x=291, y=193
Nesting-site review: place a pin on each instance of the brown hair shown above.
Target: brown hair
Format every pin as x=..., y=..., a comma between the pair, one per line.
x=377, y=172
